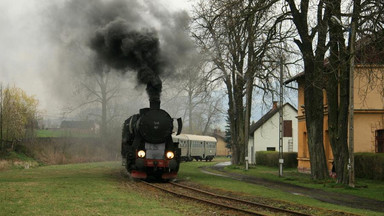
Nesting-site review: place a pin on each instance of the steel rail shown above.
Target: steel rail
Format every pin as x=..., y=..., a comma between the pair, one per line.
x=241, y=201
x=203, y=200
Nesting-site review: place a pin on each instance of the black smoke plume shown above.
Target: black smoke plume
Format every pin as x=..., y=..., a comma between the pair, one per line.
x=123, y=48
x=142, y=37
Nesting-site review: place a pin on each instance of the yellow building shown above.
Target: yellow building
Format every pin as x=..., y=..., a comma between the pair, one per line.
x=368, y=115
x=221, y=146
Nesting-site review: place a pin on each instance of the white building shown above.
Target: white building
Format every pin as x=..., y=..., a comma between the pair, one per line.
x=264, y=134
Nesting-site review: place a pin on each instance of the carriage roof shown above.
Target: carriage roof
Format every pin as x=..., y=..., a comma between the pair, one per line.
x=195, y=137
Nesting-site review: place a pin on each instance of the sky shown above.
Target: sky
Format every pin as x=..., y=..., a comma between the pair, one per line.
x=28, y=60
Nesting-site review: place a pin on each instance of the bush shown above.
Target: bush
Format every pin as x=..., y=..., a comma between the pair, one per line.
x=369, y=165
x=271, y=158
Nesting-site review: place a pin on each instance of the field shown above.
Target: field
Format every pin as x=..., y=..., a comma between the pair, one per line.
x=79, y=189
x=102, y=189
x=62, y=133
x=364, y=187
x=192, y=173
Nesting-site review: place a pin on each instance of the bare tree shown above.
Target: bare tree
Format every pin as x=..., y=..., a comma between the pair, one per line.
x=195, y=94
x=366, y=19
x=370, y=44
x=313, y=37
x=328, y=32
x=99, y=87
x=195, y=85
x=237, y=34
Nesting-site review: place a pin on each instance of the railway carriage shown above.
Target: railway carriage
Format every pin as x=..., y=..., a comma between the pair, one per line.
x=196, y=147
x=183, y=141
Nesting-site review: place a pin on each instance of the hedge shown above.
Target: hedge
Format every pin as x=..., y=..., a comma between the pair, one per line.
x=271, y=158
x=369, y=165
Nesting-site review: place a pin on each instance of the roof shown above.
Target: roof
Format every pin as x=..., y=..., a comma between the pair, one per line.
x=266, y=117
x=218, y=134
x=77, y=124
x=296, y=77
x=369, y=50
x=195, y=137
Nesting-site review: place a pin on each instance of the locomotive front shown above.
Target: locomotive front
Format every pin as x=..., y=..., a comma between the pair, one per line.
x=147, y=145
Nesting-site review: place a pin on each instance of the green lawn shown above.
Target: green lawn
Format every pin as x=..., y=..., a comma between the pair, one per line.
x=78, y=189
x=61, y=133
x=364, y=187
x=100, y=189
x=190, y=171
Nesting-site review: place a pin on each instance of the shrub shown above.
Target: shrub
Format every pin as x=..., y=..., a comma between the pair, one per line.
x=271, y=158
x=369, y=165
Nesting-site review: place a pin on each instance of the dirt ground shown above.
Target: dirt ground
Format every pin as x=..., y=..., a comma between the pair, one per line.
x=324, y=196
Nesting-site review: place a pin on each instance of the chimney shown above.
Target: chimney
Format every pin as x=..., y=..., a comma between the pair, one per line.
x=154, y=104
x=274, y=105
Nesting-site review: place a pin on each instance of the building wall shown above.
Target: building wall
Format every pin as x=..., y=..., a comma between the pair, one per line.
x=365, y=125
x=221, y=150
x=368, y=87
x=368, y=117
x=268, y=134
x=303, y=152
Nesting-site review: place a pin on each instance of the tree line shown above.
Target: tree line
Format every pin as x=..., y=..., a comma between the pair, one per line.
x=240, y=48
x=246, y=40
x=18, y=116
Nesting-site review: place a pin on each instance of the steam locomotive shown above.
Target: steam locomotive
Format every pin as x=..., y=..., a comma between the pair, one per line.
x=147, y=147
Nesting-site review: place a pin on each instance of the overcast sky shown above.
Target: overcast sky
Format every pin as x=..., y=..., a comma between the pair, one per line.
x=27, y=59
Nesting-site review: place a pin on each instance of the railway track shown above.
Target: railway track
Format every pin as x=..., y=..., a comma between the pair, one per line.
x=231, y=203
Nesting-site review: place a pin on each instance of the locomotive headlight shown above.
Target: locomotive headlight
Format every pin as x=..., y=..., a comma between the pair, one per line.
x=141, y=153
x=170, y=155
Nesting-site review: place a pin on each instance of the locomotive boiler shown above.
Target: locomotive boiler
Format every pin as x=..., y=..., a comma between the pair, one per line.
x=147, y=147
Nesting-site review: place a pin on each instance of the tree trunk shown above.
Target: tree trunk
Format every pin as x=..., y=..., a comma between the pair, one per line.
x=239, y=118
x=190, y=109
x=104, y=102
x=313, y=68
x=338, y=97
x=313, y=101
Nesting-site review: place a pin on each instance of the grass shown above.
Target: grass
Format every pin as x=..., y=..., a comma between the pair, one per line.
x=190, y=171
x=99, y=189
x=16, y=160
x=62, y=133
x=364, y=187
x=77, y=189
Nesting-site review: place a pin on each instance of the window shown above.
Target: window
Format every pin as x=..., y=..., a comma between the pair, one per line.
x=271, y=149
x=379, y=148
x=287, y=128
x=290, y=145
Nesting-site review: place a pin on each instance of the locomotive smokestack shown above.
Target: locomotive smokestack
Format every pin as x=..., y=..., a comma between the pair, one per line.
x=154, y=90
x=154, y=104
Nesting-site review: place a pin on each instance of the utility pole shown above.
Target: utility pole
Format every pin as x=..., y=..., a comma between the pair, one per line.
x=351, y=164
x=281, y=126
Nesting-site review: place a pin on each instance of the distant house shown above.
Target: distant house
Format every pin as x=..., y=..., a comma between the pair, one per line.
x=86, y=127
x=221, y=146
x=264, y=134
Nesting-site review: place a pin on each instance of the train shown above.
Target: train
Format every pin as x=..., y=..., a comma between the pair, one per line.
x=147, y=147
x=196, y=147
